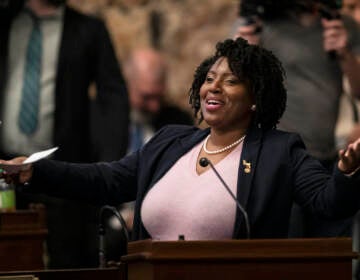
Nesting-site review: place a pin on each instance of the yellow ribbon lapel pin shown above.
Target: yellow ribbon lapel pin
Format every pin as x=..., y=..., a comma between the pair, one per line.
x=247, y=166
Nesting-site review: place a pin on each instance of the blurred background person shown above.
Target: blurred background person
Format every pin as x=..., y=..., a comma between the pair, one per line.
x=151, y=107
x=351, y=8
x=317, y=48
x=49, y=56
x=347, y=127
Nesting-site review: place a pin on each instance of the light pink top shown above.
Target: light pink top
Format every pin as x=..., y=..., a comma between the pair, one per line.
x=196, y=206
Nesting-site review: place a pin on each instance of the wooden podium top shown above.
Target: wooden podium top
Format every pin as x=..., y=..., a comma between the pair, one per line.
x=264, y=249
x=272, y=259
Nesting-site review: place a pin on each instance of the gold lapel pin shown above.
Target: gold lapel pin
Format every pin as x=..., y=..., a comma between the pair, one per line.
x=247, y=166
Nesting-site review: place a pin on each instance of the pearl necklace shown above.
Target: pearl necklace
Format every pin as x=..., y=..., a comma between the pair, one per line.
x=223, y=149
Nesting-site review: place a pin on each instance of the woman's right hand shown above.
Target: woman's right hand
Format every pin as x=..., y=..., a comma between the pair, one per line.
x=20, y=176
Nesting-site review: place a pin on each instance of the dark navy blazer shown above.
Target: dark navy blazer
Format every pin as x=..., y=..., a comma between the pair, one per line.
x=281, y=172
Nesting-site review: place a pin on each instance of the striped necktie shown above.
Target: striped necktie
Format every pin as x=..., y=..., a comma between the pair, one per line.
x=29, y=107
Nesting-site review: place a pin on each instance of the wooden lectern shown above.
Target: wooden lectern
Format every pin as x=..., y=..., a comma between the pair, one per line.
x=268, y=259
x=22, y=235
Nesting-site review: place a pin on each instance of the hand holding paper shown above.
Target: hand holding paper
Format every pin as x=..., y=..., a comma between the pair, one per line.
x=16, y=167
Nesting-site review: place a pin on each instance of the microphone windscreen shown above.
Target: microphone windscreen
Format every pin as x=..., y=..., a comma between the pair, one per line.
x=203, y=162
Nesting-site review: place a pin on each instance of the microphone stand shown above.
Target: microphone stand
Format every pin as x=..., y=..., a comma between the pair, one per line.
x=115, y=212
x=204, y=162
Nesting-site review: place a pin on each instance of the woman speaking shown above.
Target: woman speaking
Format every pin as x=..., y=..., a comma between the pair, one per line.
x=239, y=92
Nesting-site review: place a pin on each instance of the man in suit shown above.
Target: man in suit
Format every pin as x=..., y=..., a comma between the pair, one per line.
x=146, y=76
x=76, y=51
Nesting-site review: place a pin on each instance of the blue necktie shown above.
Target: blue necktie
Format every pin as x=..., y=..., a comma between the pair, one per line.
x=29, y=107
x=136, y=137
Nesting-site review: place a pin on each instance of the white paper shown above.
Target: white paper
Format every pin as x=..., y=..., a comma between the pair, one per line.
x=39, y=155
x=14, y=168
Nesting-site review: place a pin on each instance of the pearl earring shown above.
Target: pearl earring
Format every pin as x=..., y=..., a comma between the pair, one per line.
x=253, y=107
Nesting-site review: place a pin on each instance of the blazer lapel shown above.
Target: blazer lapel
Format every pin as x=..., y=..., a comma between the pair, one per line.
x=247, y=168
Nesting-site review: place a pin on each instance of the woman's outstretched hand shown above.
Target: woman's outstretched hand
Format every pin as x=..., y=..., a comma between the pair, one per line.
x=20, y=175
x=349, y=158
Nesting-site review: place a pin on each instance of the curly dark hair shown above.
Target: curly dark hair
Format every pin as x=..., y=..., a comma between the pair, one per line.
x=262, y=71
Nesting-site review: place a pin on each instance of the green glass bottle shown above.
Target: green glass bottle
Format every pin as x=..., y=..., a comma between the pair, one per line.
x=7, y=196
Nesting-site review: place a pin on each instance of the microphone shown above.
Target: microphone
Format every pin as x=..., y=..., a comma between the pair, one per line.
x=115, y=212
x=205, y=162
